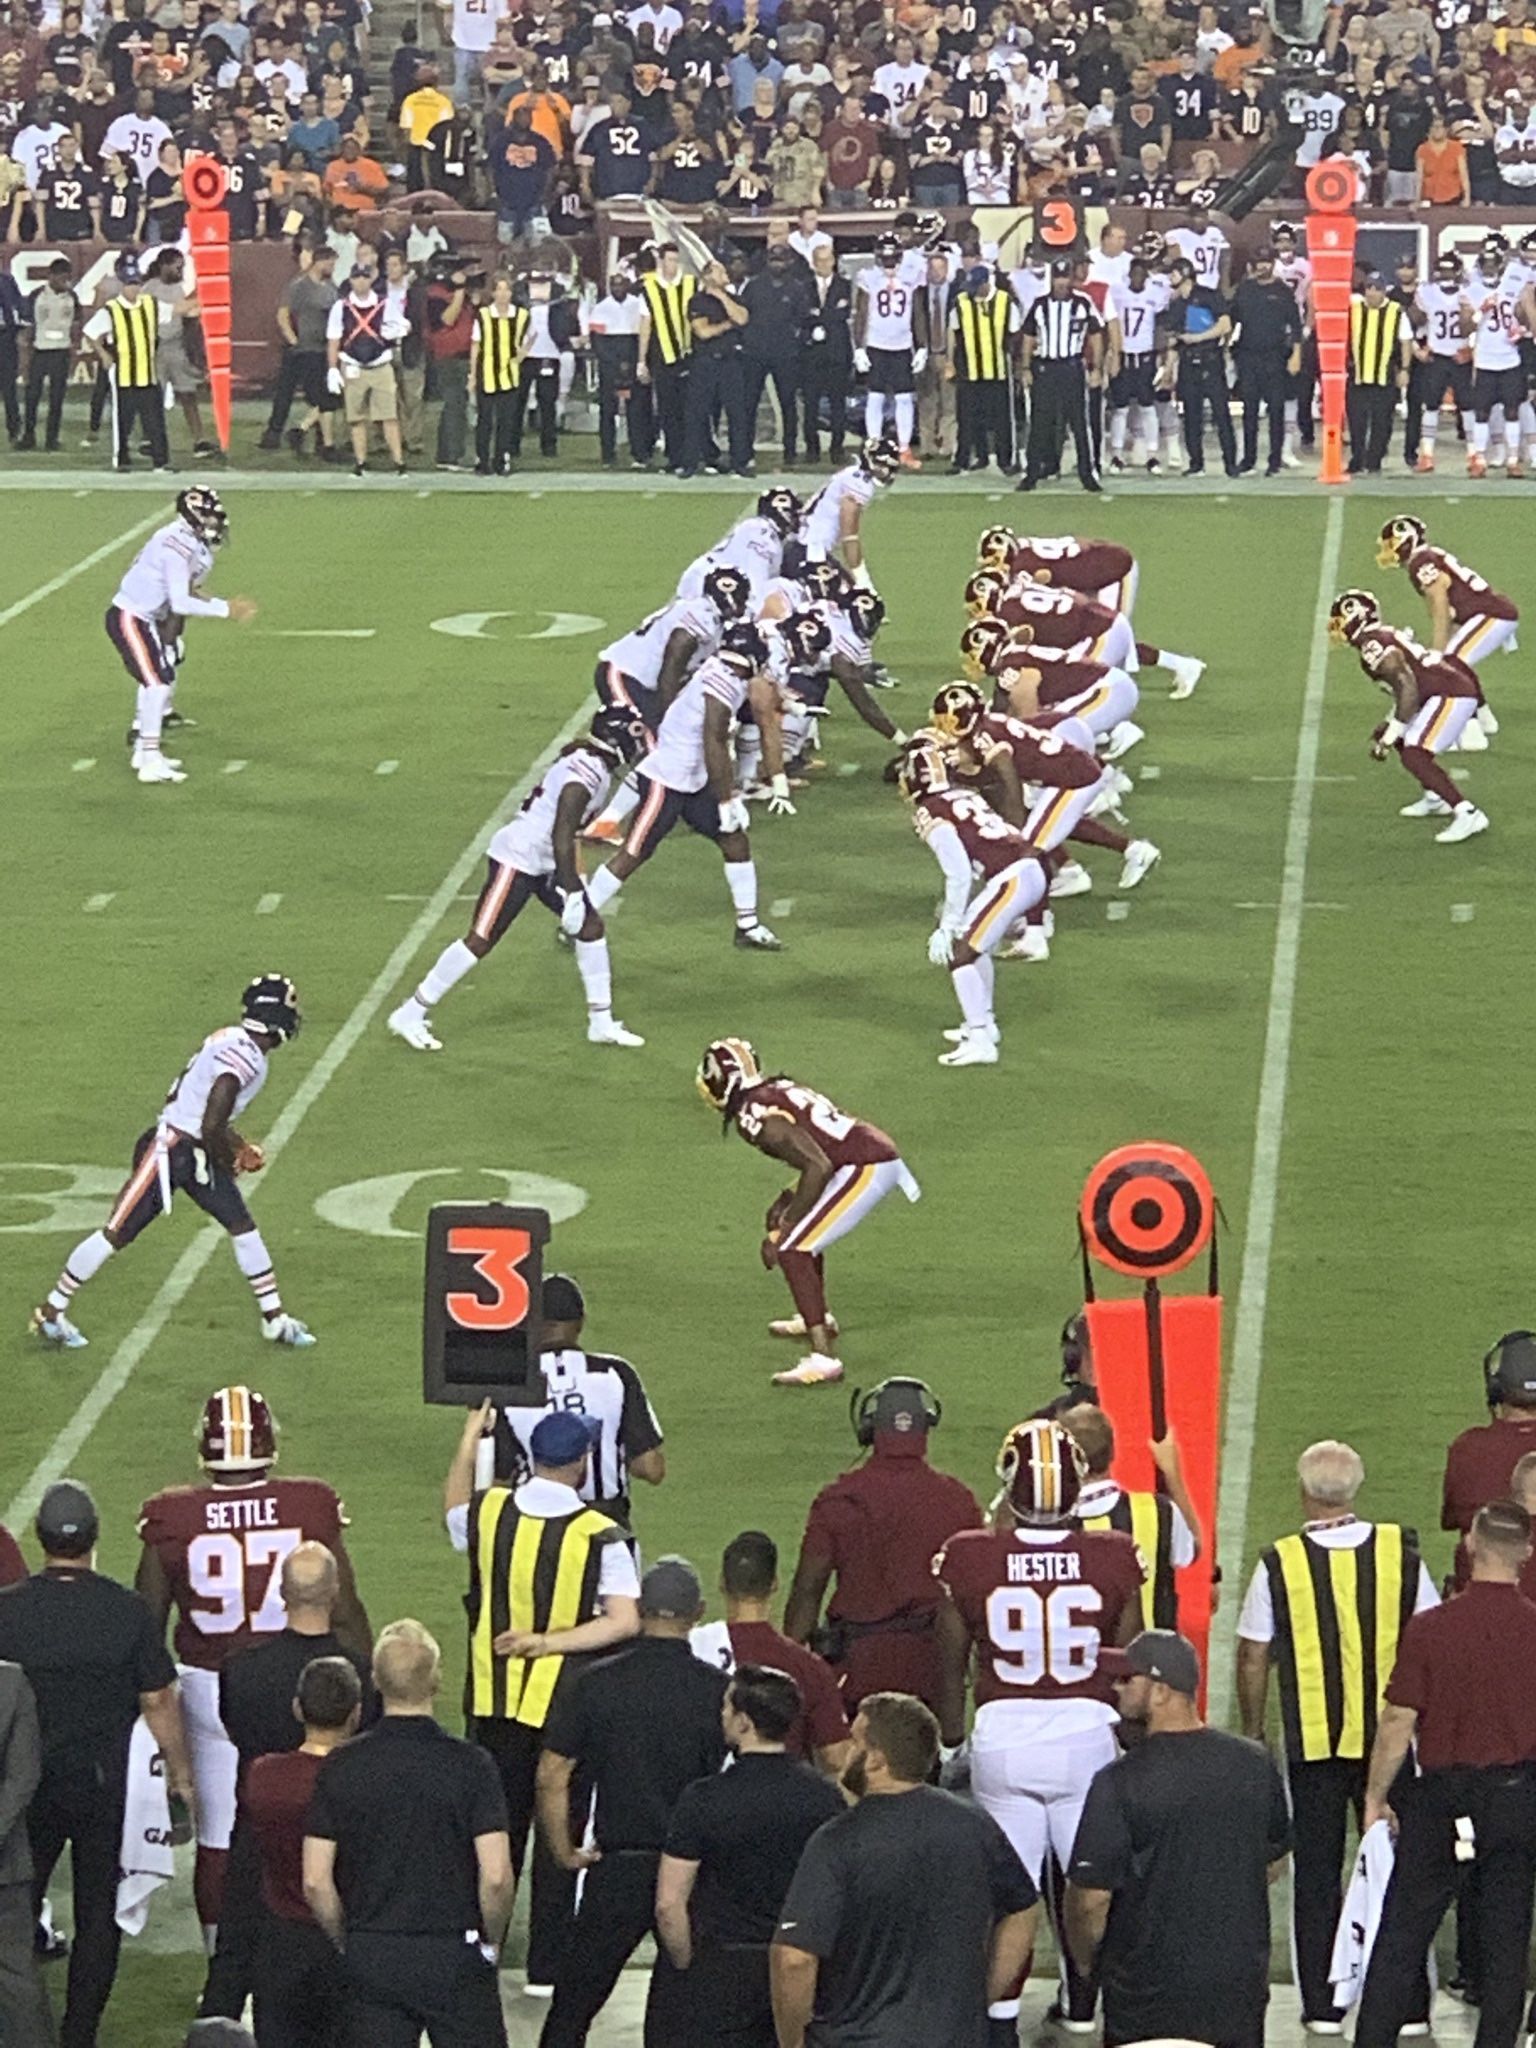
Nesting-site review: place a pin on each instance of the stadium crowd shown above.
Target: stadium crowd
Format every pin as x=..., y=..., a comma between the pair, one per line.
x=357, y=1864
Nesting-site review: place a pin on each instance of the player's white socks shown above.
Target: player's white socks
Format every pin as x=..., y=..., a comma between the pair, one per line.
x=604, y=886
x=596, y=972
x=1480, y=437
x=622, y=803
x=973, y=991
x=1119, y=419
x=874, y=414
x=741, y=880
x=87, y=1258
x=906, y=416
x=255, y=1262
x=153, y=698
x=453, y=963
x=1144, y=428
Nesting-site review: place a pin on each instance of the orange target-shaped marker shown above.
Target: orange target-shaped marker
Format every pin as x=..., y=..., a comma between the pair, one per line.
x=205, y=181
x=1146, y=1210
x=1332, y=185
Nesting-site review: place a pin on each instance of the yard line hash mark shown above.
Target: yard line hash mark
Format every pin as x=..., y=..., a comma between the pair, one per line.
x=265, y=905
x=386, y=768
x=80, y=767
x=100, y=902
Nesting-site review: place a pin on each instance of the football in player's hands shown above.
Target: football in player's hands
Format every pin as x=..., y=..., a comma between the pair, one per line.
x=249, y=1158
x=241, y=609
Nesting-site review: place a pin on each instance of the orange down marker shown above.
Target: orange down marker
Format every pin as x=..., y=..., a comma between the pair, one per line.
x=1147, y=1211
x=204, y=182
x=1332, y=188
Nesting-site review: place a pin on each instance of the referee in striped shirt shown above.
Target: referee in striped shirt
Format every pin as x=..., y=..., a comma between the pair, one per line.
x=1063, y=356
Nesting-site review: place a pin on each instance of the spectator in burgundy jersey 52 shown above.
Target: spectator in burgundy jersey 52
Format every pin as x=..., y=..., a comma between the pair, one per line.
x=1479, y=1463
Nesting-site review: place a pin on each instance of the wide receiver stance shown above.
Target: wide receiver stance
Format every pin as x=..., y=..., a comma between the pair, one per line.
x=215, y=1553
x=535, y=856
x=845, y=1166
x=1467, y=617
x=194, y=1149
x=159, y=591
x=1434, y=698
x=1035, y=1599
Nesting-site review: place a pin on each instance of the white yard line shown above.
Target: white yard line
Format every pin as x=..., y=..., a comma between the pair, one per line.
x=178, y=1283
x=86, y=562
x=1268, y=1140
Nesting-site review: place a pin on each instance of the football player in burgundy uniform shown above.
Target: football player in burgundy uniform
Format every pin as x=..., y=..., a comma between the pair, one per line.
x=845, y=1166
x=1043, y=781
x=1434, y=699
x=215, y=1552
x=994, y=879
x=1032, y=1602
x=1030, y=597
x=1467, y=617
x=1097, y=568
x=1037, y=683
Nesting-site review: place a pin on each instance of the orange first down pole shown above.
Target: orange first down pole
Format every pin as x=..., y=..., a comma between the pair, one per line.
x=204, y=182
x=1332, y=188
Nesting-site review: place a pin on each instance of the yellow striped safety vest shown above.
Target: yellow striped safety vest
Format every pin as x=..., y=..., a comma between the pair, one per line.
x=536, y=1574
x=498, y=337
x=983, y=333
x=1339, y=1612
x=1373, y=341
x=1148, y=1517
x=668, y=306
x=135, y=339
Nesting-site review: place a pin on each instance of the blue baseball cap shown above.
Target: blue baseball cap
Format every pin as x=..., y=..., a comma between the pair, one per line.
x=562, y=1439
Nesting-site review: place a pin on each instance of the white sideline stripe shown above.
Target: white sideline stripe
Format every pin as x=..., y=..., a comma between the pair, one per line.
x=1268, y=1140
x=178, y=1283
x=90, y=561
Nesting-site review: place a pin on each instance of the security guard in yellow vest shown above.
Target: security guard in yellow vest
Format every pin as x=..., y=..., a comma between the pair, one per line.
x=552, y=1582
x=666, y=342
x=983, y=322
x=1380, y=356
x=1325, y=1608
x=125, y=334
x=1165, y=1525
x=497, y=346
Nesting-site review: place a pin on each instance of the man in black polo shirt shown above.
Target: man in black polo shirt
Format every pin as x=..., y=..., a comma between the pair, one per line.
x=95, y=1661
x=735, y=1841
x=1168, y=1890
x=407, y=1865
x=1196, y=326
x=1267, y=352
x=641, y=1728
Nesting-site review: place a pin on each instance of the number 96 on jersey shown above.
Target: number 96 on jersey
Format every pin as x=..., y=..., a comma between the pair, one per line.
x=480, y=1326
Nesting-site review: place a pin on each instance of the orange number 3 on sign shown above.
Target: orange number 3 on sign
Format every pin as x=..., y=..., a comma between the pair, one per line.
x=498, y=1256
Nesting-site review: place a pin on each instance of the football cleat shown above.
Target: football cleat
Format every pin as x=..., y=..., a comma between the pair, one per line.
x=1070, y=879
x=54, y=1327
x=957, y=1032
x=1141, y=857
x=156, y=768
x=1428, y=806
x=604, y=831
x=794, y=1326
x=812, y=1371
x=975, y=1049
x=908, y=460
x=138, y=757
x=1031, y=944
x=758, y=938
x=1485, y=719
x=1187, y=672
x=1125, y=735
x=1477, y=465
x=1466, y=822
x=607, y=1030
x=408, y=1024
x=286, y=1329
x=1426, y=463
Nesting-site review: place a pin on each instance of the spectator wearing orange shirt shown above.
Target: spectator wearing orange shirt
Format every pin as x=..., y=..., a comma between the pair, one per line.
x=1442, y=161
x=1230, y=65
x=355, y=182
x=549, y=114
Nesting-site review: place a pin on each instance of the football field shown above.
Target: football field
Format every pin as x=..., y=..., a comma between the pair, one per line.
x=1333, y=1012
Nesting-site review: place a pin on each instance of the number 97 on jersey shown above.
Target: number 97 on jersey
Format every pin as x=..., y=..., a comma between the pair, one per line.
x=480, y=1323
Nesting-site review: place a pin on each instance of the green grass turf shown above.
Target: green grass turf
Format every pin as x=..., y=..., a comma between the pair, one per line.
x=1400, y=1245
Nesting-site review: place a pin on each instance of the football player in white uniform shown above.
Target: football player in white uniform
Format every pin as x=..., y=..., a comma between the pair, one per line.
x=1133, y=310
x=885, y=344
x=194, y=1149
x=1445, y=350
x=1498, y=375
x=832, y=523
x=535, y=855
x=754, y=546
x=158, y=591
x=690, y=777
x=1294, y=269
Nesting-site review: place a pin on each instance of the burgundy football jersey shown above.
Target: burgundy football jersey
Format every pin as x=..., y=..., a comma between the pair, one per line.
x=222, y=1550
x=1434, y=675
x=1060, y=681
x=1469, y=596
x=1041, y=1607
x=991, y=843
x=1073, y=564
x=1038, y=755
x=1059, y=617
x=845, y=1139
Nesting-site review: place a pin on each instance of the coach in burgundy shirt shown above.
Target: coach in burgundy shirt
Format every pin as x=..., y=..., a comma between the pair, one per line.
x=1479, y=1463
x=1464, y=1691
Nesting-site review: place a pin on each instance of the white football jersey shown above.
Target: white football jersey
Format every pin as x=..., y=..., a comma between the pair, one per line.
x=677, y=759
x=1295, y=271
x=822, y=526
x=640, y=653
x=890, y=299
x=1137, y=314
x=158, y=582
x=900, y=85
x=1497, y=342
x=1203, y=251
x=230, y=1051
x=753, y=546
x=527, y=842
x=791, y=595
x=1442, y=309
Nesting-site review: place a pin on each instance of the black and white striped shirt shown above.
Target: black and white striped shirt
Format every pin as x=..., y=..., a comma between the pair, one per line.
x=607, y=1391
x=1061, y=327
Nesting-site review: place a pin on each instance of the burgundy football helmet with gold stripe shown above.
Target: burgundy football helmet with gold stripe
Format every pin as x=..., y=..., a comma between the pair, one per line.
x=237, y=1432
x=1043, y=1470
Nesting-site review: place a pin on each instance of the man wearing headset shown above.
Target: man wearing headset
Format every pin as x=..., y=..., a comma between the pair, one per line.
x=876, y=1529
x=1480, y=1462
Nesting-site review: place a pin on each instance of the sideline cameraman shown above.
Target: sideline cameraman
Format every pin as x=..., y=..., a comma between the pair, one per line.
x=453, y=292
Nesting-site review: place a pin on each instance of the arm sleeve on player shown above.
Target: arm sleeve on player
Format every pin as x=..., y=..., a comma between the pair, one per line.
x=179, y=585
x=1256, y=1621
x=945, y=845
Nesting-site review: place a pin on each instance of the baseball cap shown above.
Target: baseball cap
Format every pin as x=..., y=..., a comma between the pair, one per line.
x=1062, y=267
x=671, y=1590
x=1511, y=1366
x=67, y=1523
x=561, y=1300
x=1163, y=1654
x=561, y=1439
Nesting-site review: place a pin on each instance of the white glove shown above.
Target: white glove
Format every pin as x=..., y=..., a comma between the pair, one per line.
x=1392, y=732
x=899, y=738
x=955, y=1766
x=861, y=361
x=333, y=382
x=779, y=803
x=941, y=944
x=919, y=361
x=734, y=815
x=573, y=912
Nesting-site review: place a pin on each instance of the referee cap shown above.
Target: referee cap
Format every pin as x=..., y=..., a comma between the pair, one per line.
x=1062, y=267
x=562, y=1438
x=67, y=1521
x=561, y=1300
x=671, y=1590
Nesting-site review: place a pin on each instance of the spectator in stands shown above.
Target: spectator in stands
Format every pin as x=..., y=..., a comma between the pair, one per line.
x=1404, y=122
x=1444, y=179
x=798, y=168
x=754, y=65
x=521, y=161
x=423, y=111
x=352, y=181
